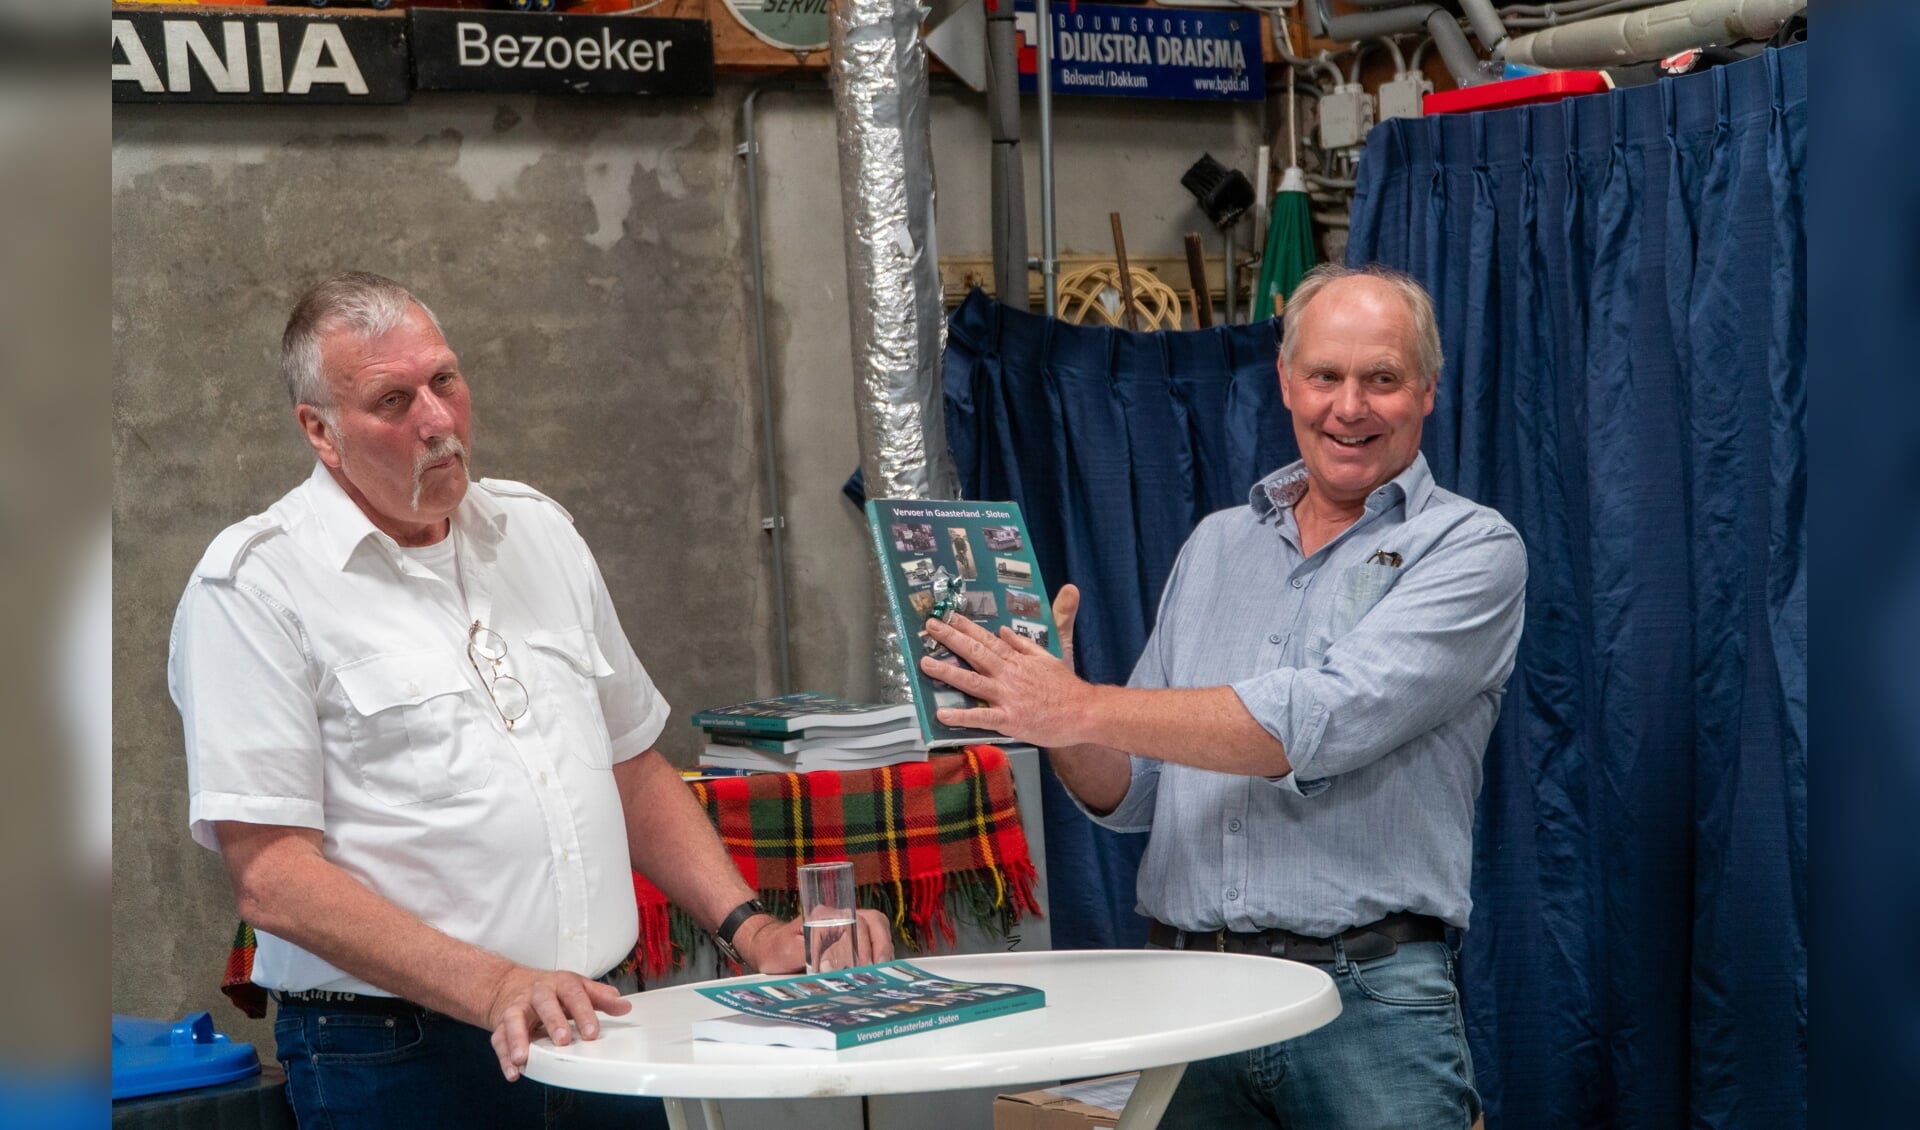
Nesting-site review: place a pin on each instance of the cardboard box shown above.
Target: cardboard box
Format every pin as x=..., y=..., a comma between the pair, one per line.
x=1066, y=1107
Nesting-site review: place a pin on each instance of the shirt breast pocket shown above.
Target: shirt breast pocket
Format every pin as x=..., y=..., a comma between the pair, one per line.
x=569, y=666
x=1355, y=592
x=413, y=727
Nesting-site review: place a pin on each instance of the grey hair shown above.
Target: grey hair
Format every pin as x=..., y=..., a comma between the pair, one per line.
x=364, y=303
x=1426, y=331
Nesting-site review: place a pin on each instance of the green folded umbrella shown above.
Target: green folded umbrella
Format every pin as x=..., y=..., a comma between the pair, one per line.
x=1290, y=253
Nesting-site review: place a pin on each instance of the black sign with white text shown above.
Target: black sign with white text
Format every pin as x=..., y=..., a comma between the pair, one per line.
x=186, y=56
x=525, y=53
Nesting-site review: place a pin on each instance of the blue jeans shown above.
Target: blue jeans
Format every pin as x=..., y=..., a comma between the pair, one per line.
x=350, y=1069
x=1394, y=1059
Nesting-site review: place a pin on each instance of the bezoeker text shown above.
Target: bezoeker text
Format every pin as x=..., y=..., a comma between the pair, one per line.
x=559, y=52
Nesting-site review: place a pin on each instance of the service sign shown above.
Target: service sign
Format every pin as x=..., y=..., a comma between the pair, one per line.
x=179, y=55
x=538, y=53
x=1116, y=52
x=796, y=25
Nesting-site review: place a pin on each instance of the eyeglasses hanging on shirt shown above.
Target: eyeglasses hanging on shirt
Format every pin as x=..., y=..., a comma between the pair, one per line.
x=509, y=694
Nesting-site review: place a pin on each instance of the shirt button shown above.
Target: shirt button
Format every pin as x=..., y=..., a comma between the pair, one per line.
x=414, y=690
x=1232, y=894
x=1299, y=582
x=1274, y=638
x=544, y=779
x=1233, y=825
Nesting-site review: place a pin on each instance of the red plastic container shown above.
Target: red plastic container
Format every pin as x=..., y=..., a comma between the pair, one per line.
x=1549, y=87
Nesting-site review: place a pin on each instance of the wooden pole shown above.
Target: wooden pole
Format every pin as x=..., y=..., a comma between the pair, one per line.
x=1126, y=276
x=1197, y=273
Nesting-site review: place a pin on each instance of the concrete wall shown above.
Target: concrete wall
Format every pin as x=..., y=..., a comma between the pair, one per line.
x=588, y=260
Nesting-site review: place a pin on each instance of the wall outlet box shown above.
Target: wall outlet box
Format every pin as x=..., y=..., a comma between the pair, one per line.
x=1345, y=116
x=1401, y=97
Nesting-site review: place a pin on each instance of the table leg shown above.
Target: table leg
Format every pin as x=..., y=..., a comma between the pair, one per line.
x=1150, y=1097
x=709, y=1110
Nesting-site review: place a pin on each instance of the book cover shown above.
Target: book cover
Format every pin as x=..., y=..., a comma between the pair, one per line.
x=790, y=714
x=849, y=1008
x=974, y=558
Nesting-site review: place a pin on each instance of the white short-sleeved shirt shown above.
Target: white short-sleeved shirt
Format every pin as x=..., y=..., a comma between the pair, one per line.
x=324, y=682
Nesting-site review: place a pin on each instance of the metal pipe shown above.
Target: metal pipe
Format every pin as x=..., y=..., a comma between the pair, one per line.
x=1008, y=205
x=1448, y=39
x=1569, y=8
x=1486, y=24
x=776, y=521
x=1651, y=33
x=1516, y=20
x=1454, y=49
x=1049, y=265
x=1374, y=25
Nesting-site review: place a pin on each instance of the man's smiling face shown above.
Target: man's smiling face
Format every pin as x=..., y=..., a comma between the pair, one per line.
x=1355, y=389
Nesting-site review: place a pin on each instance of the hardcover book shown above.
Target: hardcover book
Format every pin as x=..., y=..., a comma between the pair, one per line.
x=892, y=734
x=808, y=713
x=940, y=557
x=718, y=756
x=849, y=1008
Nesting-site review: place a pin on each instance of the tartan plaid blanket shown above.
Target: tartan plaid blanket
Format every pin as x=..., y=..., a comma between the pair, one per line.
x=927, y=840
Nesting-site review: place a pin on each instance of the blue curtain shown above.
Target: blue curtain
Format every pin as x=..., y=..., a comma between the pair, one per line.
x=1114, y=444
x=1621, y=282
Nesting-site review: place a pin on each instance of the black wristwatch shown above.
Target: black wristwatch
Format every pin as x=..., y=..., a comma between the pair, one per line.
x=730, y=925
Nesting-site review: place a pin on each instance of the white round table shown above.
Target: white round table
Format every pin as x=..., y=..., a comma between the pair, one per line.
x=1107, y=1011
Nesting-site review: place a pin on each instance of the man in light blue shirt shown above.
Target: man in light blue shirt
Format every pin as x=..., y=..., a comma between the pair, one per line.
x=1302, y=735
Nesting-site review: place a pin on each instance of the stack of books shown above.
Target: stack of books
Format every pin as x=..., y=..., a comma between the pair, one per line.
x=805, y=732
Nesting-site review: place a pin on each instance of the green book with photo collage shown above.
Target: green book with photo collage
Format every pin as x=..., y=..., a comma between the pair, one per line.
x=848, y=1008
x=940, y=557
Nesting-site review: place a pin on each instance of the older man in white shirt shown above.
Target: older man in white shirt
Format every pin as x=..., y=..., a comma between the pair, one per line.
x=421, y=741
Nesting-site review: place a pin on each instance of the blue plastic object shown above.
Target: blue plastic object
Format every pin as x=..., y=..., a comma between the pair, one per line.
x=154, y=1056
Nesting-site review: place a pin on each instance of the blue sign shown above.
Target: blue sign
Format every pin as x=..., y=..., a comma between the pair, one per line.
x=1147, y=52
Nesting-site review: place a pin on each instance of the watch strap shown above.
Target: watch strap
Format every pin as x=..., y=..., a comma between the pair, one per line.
x=730, y=925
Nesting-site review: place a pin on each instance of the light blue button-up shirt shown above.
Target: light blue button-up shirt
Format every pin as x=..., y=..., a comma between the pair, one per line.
x=1378, y=662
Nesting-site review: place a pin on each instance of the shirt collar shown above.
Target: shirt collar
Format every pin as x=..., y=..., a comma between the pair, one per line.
x=1282, y=489
x=341, y=527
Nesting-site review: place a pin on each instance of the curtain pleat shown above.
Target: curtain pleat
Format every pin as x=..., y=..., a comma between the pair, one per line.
x=1620, y=280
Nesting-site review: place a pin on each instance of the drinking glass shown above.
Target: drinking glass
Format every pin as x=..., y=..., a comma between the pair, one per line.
x=827, y=921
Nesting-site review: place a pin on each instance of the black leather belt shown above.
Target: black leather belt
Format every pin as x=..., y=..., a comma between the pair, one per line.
x=1361, y=943
x=370, y=1002
x=352, y=1002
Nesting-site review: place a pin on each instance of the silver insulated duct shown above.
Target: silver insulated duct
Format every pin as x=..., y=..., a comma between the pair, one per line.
x=879, y=71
